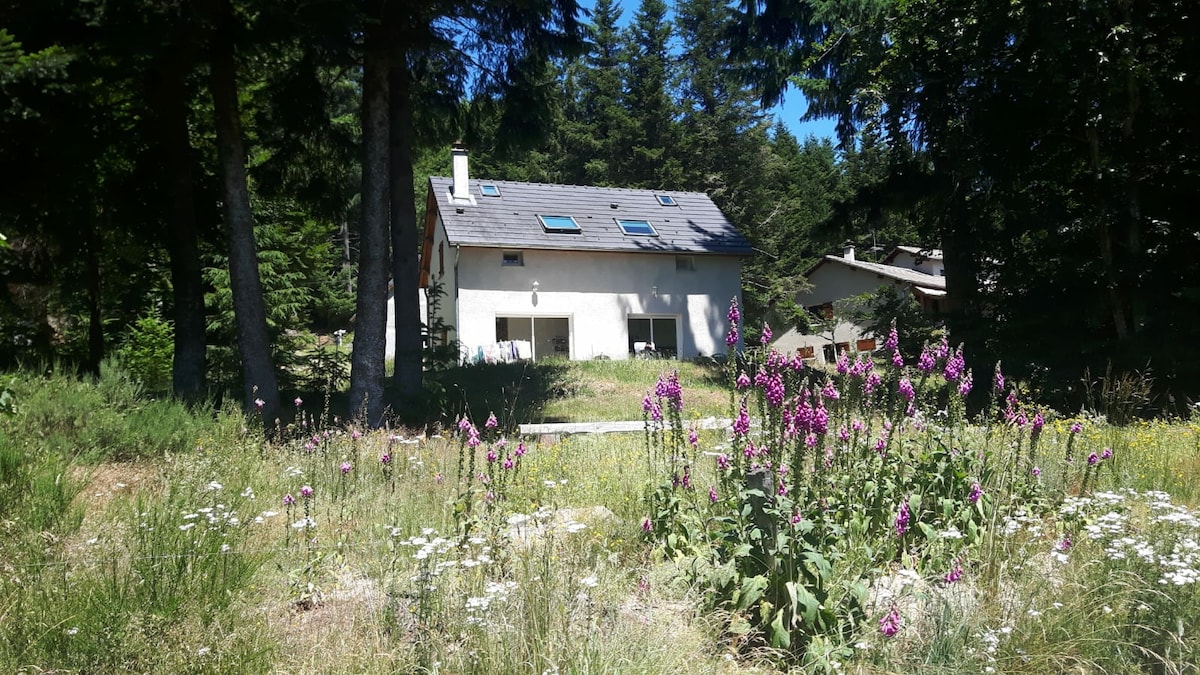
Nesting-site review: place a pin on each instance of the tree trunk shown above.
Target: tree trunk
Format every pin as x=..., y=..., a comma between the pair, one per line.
x=254, y=347
x=170, y=100
x=93, y=239
x=366, y=370
x=405, y=240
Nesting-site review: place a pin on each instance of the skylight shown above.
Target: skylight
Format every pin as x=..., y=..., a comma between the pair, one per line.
x=642, y=227
x=489, y=190
x=666, y=200
x=559, y=223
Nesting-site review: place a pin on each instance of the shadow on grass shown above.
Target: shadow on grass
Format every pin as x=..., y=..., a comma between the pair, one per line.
x=516, y=393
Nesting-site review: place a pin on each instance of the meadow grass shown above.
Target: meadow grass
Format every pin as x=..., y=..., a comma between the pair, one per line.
x=165, y=545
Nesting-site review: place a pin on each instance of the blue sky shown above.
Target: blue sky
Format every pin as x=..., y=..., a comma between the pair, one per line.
x=789, y=112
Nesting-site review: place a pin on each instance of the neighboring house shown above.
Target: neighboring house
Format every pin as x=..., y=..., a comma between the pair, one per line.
x=834, y=278
x=541, y=270
x=389, y=345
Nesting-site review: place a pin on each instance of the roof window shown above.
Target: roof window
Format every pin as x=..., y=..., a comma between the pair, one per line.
x=559, y=223
x=489, y=190
x=641, y=227
x=666, y=200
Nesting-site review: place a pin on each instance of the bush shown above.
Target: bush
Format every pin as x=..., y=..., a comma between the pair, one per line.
x=148, y=351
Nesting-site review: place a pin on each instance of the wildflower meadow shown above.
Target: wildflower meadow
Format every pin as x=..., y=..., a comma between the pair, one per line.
x=863, y=518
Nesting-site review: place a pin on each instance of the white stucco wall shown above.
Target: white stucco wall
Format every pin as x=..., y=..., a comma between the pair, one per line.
x=844, y=332
x=833, y=281
x=932, y=266
x=597, y=292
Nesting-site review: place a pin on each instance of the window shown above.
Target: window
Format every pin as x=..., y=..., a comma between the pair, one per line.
x=666, y=200
x=653, y=336
x=637, y=227
x=559, y=224
x=489, y=190
x=513, y=259
x=685, y=263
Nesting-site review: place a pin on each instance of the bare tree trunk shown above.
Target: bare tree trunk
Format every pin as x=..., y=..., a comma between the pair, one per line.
x=93, y=238
x=405, y=240
x=254, y=347
x=187, y=282
x=366, y=370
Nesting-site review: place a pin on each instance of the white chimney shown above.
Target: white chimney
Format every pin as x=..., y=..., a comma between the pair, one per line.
x=847, y=248
x=462, y=189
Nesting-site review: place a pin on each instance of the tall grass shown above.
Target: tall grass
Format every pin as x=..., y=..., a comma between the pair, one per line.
x=160, y=542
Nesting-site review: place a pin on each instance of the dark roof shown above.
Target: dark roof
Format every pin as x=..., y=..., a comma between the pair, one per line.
x=695, y=225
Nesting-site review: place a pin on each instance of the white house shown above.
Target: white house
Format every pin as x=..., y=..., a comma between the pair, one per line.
x=834, y=278
x=539, y=270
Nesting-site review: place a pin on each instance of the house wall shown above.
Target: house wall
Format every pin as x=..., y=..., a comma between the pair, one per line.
x=833, y=281
x=596, y=292
x=927, y=265
x=844, y=333
x=442, y=269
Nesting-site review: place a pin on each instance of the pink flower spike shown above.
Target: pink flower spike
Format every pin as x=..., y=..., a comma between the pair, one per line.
x=889, y=625
x=299, y=401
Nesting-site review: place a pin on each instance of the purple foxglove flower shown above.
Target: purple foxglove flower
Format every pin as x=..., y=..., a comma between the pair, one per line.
x=1036, y=471
x=843, y=434
x=927, y=362
x=491, y=456
x=345, y=467
x=843, y=363
x=765, y=336
x=976, y=492
x=712, y=493
x=386, y=459
x=288, y=499
x=464, y=423
x=999, y=378
x=508, y=462
x=964, y=385
x=259, y=403
x=743, y=380
x=646, y=526
x=871, y=382
x=306, y=491
x=893, y=339
x=723, y=462
x=902, y=518
x=1092, y=459
x=731, y=338
x=954, y=574
x=1107, y=454
x=906, y=388
x=1076, y=427
x=773, y=390
x=889, y=625
x=741, y=425
x=829, y=391
x=897, y=359
x=734, y=316
x=491, y=422
x=520, y=451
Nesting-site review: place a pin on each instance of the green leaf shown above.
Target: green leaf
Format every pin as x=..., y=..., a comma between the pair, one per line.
x=751, y=591
x=780, y=636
